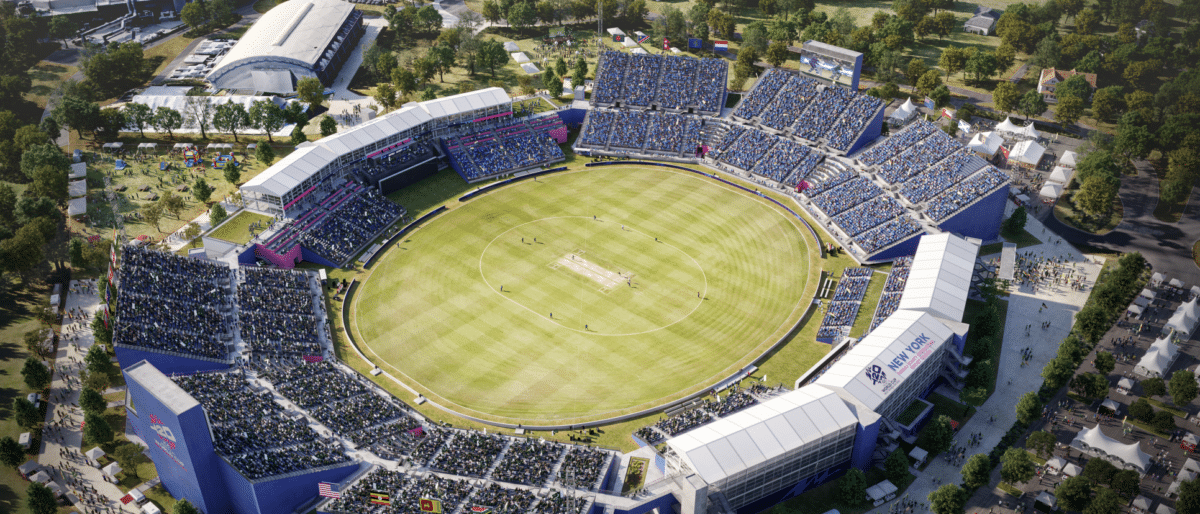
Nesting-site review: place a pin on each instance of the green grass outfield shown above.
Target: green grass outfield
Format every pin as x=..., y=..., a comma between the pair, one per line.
x=237, y=230
x=432, y=313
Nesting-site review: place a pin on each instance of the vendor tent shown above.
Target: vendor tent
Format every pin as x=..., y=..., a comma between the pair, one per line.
x=77, y=188
x=1109, y=404
x=640, y=51
x=1134, y=309
x=78, y=170
x=1023, y=198
x=1183, y=322
x=1129, y=456
x=94, y=453
x=1157, y=278
x=919, y=454
x=1029, y=131
x=1142, y=504
x=111, y=469
x=1158, y=358
x=1071, y=470
x=29, y=467
x=40, y=477
x=77, y=207
x=1051, y=190
x=1067, y=159
x=881, y=491
x=511, y=46
x=629, y=43
x=1176, y=283
x=530, y=68
x=986, y=144
x=904, y=112
x=1027, y=152
x=520, y=57
x=1196, y=290
x=1008, y=126
x=1055, y=463
x=1046, y=499
x=1148, y=294
x=1164, y=509
x=1060, y=174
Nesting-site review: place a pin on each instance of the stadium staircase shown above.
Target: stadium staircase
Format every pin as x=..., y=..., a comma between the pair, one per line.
x=508, y=442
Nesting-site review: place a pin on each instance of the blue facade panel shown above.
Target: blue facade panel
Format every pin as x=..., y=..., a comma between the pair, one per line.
x=800, y=487
x=981, y=220
x=313, y=257
x=874, y=128
x=181, y=448
x=572, y=116
x=864, y=444
x=247, y=257
x=168, y=364
x=908, y=247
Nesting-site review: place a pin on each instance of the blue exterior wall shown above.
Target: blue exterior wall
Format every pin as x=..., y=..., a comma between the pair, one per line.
x=311, y=256
x=181, y=448
x=960, y=342
x=168, y=364
x=874, y=128
x=572, y=116
x=865, y=437
x=908, y=247
x=280, y=496
x=981, y=220
x=247, y=257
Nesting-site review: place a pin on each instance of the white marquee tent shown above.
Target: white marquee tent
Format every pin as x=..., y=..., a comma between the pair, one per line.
x=511, y=46
x=78, y=170
x=1051, y=190
x=1131, y=456
x=1158, y=358
x=986, y=144
x=1029, y=131
x=1008, y=126
x=1027, y=152
x=77, y=207
x=1060, y=174
x=520, y=57
x=1068, y=159
x=77, y=188
x=904, y=112
x=1184, y=321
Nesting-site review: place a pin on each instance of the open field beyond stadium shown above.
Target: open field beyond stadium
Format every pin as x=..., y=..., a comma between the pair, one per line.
x=714, y=277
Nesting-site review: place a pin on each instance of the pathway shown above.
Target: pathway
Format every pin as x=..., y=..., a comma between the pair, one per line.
x=1024, y=308
x=63, y=437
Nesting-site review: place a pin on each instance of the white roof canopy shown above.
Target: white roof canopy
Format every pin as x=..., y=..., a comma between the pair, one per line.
x=1029, y=131
x=1131, y=455
x=1051, y=190
x=896, y=347
x=762, y=432
x=1158, y=358
x=1068, y=158
x=987, y=143
x=1175, y=282
x=1028, y=152
x=1185, y=318
x=1060, y=175
x=78, y=170
x=1157, y=278
x=77, y=206
x=1109, y=404
x=940, y=276
x=77, y=188
x=1008, y=126
x=904, y=112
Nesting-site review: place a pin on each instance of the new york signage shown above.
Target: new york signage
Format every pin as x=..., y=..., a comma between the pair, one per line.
x=887, y=376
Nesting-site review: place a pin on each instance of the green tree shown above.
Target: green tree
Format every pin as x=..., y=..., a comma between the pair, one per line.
x=896, y=465
x=1041, y=442
x=75, y=253
x=1016, y=466
x=115, y=68
x=852, y=487
x=185, y=507
x=1127, y=482
x=941, y=97
x=328, y=126
x=172, y=204
x=1154, y=387
x=977, y=471
x=1105, y=362
x=1032, y=104
x=96, y=429
x=929, y=81
x=310, y=91
x=231, y=117
x=1086, y=21
x=12, y=455
x=1075, y=86
x=153, y=213
x=777, y=53
x=1090, y=385
x=953, y=59
x=1016, y=222
x=1047, y=54
x=27, y=415
x=1095, y=196
x=128, y=456
x=49, y=182
x=1029, y=408
x=201, y=190
x=44, y=155
x=404, y=80
x=1006, y=96
x=40, y=499
x=1006, y=55
x=1133, y=141
x=167, y=119
x=36, y=375
x=974, y=396
x=1141, y=410
x=1105, y=501
x=194, y=15
x=443, y=56
x=385, y=96
x=92, y=402
x=140, y=116
x=62, y=28
x=916, y=69
x=233, y=174
x=982, y=65
x=948, y=499
x=217, y=214
x=298, y=136
x=8, y=206
x=1074, y=493
x=937, y=436
x=1068, y=110
x=264, y=153
x=76, y=112
x=492, y=54
x=491, y=11
x=198, y=112
x=265, y=115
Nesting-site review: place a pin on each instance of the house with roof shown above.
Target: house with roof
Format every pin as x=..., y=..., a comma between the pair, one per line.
x=1051, y=77
x=983, y=22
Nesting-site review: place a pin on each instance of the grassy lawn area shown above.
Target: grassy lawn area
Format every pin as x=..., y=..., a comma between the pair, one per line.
x=867, y=310
x=1065, y=211
x=47, y=77
x=1008, y=488
x=1196, y=253
x=973, y=308
x=635, y=474
x=1167, y=407
x=956, y=411
x=166, y=51
x=236, y=230
x=911, y=412
x=15, y=321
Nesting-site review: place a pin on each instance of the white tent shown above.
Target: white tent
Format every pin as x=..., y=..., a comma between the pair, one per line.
x=1164, y=509
x=1046, y=498
x=1056, y=463
x=520, y=57
x=40, y=477
x=511, y=46
x=1184, y=321
x=1051, y=190
x=77, y=188
x=1008, y=126
x=1156, y=279
x=1134, y=309
x=78, y=170
x=1142, y=504
x=1109, y=404
x=1196, y=290
x=918, y=453
x=1027, y=152
x=1141, y=301
x=77, y=207
x=1060, y=174
x=614, y=31
x=1071, y=470
x=1176, y=283
x=986, y=144
x=640, y=51
x=1158, y=358
x=904, y=112
x=1148, y=293
x=111, y=470
x=1068, y=159
x=94, y=453
x=1023, y=197
x=1131, y=456
x=629, y=43
x=881, y=491
x=530, y=68
x=1029, y=131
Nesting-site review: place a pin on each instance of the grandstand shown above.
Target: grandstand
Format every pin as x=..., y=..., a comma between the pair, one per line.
x=843, y=307
x=671, y=83
x=507, y=149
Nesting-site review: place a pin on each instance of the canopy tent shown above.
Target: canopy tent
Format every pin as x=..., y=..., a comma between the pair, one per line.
x=1186, y=475
x=94, y=453
x=1134, y=309
x=1023, y=198
x=1109, y=404
x=1051, y=190
x=1046, y=498
x=986, y=144
x=147, y=146
x=77, y=188
x=1196, y=290
x=629, y=43
x=182, y=146
x=1141, y=301
x=904, y=112
x=111, y=469
x=40, y=477
x=1176, y=283
x=1148, y=293
x=77, y=207
x=1071, y=470
x=614, y=31
x=881, y=490
x=530, y=68
x=112, y=146
x=1142, y=504
x=1068, y=159
x=1029, y=131
x=1157, y=278
x=55, y=488
x=28, y=467
x=520, y=57
x=640, y=51
x=1130, y=456
x=1027, y=152
x=1164, y=509
x=511, y=46
x=919, y=454
x=1183, y=322
x=1008, y=126
x=1056, y=463
x=1060, y=174
x=78, y=170
x=1158, y=358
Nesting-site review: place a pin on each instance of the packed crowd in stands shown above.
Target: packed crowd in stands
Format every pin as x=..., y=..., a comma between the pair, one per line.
x=406, y=492
x=678, y=423
x=736, y=400
x=965, y=192
x=889, y=301
x=586, y=464
x=884, y=235
x=748, y=149
x=854, y=119
x=350, y=224
x=253, y=431
x=276, y=311
x=557, y=503
x=762, y=94
x=315, y=383
x=783, y=159
x=853, y=192
x=898, y=143
x=469, y=453
x=394, y=440
x=641, y=76
x=823, y=111
x=851, y=289
x=939, y=177
x=673, y=82
x=916, y=159
x=528, y=462
x=840, y=314
x=173, y=303
x=731, y=135
x=393, y=161
x=629, y=130
x=356, y=413
x=792, y=100
x=599, y=127
x=503, y=500
x=667, y=132
x=868, y=215
x=831, y=182
x=503, y=154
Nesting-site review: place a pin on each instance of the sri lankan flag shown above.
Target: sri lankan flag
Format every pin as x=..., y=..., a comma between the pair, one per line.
x=379, y=498
x=431, y=505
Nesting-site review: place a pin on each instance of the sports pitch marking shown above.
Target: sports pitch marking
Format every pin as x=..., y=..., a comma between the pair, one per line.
x=607, y=279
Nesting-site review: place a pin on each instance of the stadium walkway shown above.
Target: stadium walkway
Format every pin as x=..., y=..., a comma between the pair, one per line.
x=60, y=446
x=1014, y=380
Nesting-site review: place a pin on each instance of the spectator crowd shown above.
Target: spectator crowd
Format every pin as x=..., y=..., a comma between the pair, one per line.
x=889, y=300
x=173, y=303
x=673, y=82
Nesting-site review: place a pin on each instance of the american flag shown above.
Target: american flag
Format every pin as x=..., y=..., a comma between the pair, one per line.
x=480, y=509
x=328, y=490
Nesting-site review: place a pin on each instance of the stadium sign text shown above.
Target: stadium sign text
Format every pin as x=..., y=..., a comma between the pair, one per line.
x=913, y=355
